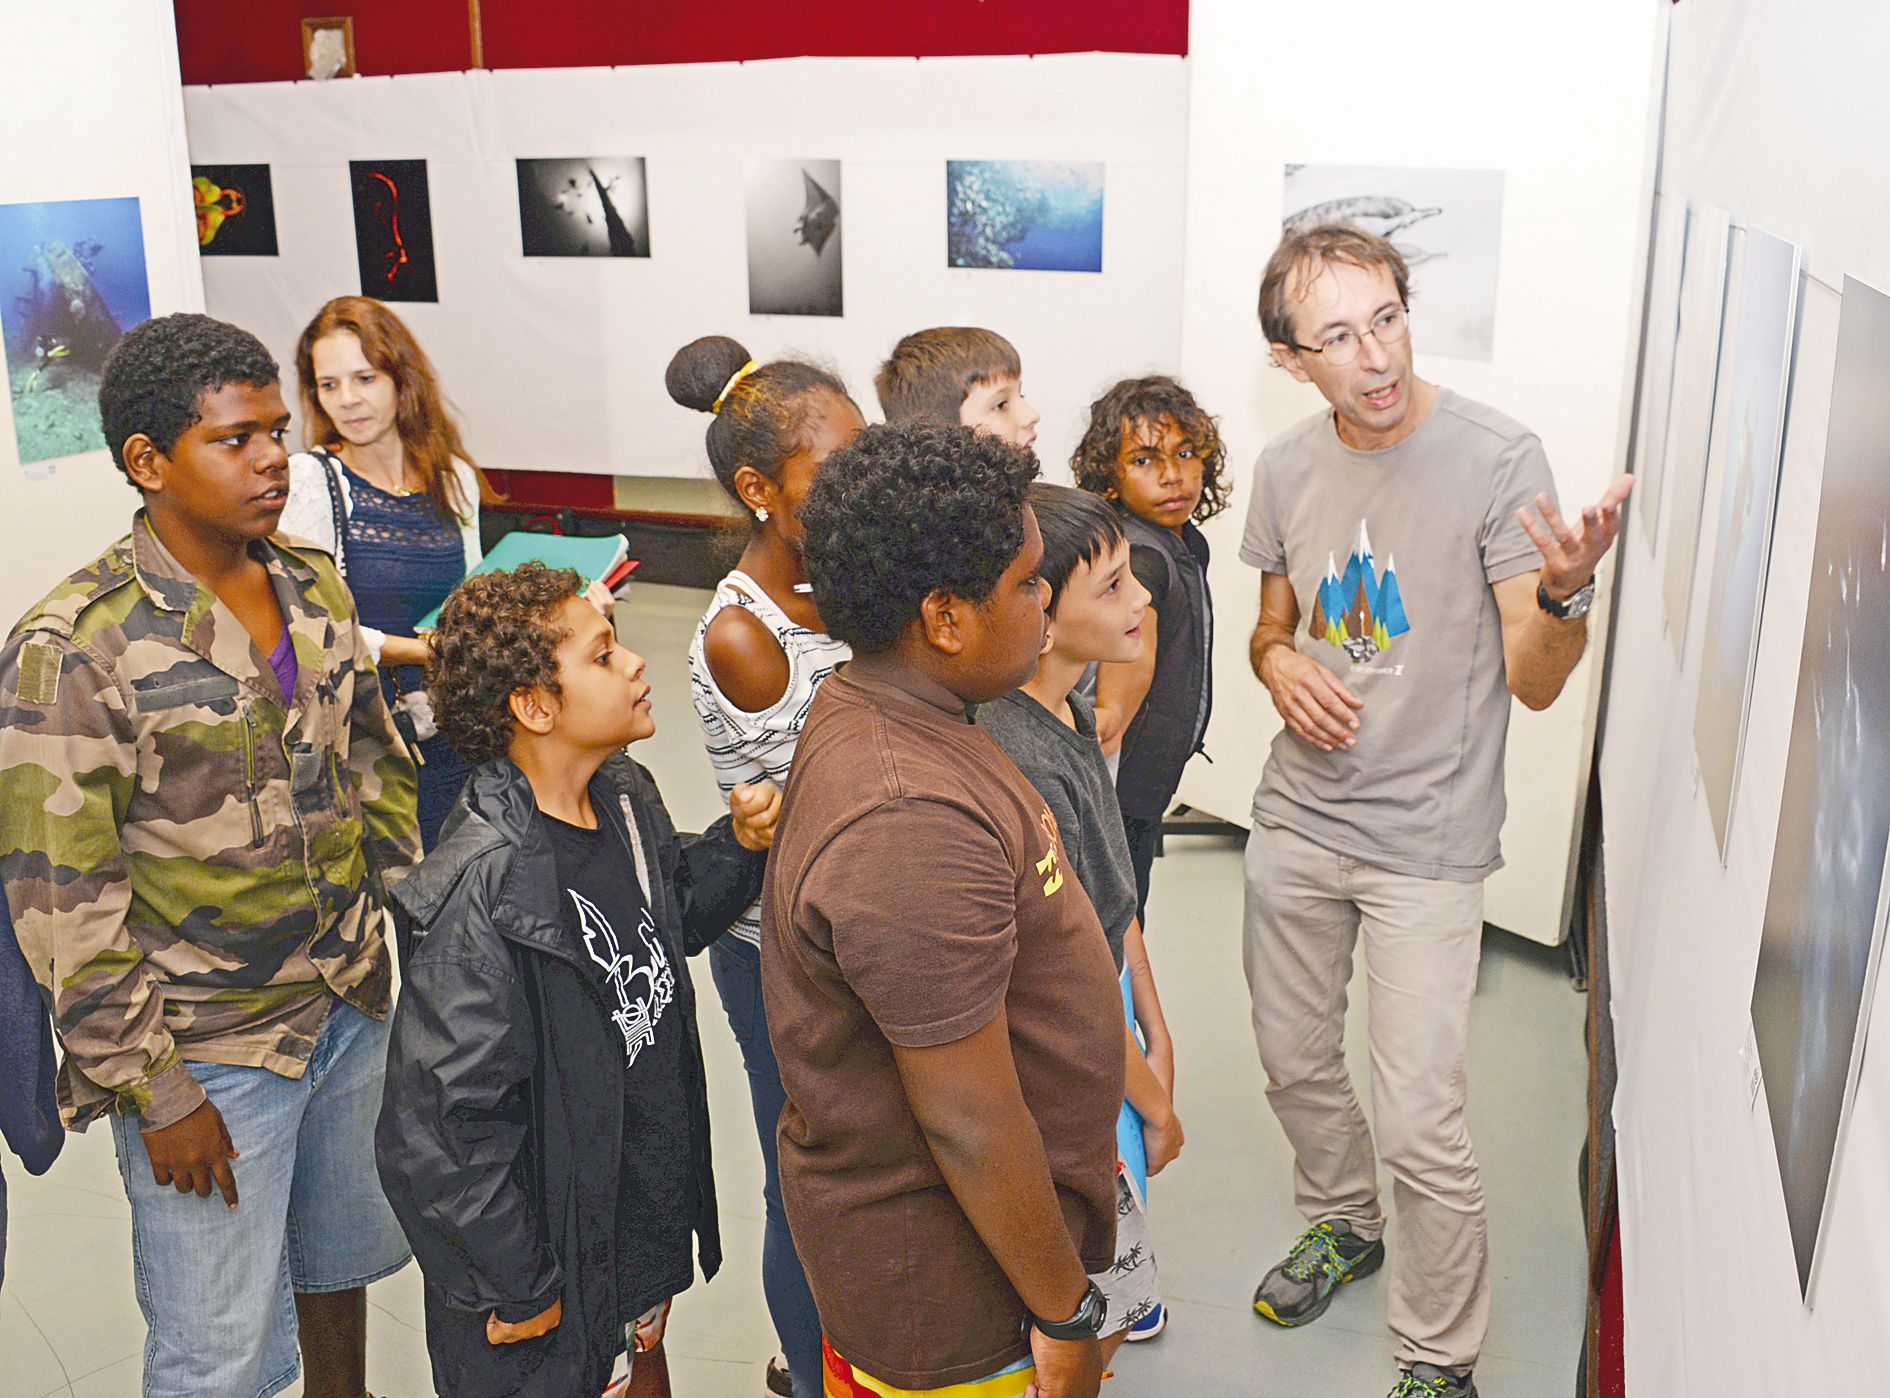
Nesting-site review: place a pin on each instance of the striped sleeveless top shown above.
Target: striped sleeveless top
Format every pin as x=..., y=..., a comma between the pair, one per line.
x=751, y=747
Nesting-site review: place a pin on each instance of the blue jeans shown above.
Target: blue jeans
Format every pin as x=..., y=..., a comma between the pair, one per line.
x=736, y=966
x=217, y=1285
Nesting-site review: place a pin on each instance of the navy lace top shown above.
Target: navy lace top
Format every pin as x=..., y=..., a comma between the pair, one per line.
x=402, y=561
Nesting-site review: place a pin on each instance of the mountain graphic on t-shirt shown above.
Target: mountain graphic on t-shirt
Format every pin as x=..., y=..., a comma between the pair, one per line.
x=1360, y=610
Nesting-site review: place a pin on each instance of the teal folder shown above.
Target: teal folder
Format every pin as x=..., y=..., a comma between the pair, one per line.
x=592, y=556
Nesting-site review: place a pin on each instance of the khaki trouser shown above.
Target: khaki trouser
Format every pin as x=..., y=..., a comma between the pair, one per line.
x=1306, y=907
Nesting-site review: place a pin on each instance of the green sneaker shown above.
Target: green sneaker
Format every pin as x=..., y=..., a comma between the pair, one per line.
x=1424, y=1381
x=1326, y=1256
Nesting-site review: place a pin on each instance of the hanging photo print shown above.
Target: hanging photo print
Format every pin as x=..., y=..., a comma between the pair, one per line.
x=1447, y=224
x=1748, y=430
x=72, y=282
x=236, y=210
x=583, y=207
x=795, y=255
x=1819, y=946
x=1024, y=215
x=393, y=230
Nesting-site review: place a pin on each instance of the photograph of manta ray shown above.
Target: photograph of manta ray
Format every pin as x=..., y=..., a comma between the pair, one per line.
x=795, y=253
x=595, y=207
x=393, y=230
x=72, y=282
x=1024, y=215
x=236, y=210
x=1448, y=224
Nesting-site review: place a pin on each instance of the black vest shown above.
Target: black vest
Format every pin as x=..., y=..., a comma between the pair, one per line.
x=1169, y=727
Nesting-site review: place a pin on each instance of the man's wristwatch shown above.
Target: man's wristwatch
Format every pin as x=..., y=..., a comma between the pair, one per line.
x=1577, y=605
x=1086, y=1324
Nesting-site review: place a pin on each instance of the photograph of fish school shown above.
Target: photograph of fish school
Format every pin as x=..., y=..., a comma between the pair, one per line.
x=996, y=699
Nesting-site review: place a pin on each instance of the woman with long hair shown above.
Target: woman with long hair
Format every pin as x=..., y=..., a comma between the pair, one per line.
x=390, y=488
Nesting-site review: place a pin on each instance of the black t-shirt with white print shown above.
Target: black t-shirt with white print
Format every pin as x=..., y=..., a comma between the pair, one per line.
x=617, y=943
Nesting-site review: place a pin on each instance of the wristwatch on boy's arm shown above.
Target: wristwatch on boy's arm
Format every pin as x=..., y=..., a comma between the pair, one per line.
x=1086, y=1324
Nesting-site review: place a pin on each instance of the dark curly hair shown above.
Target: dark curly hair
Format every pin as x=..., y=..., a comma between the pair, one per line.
x=904, y=511
x=1138, y=402
x=762, y=420
x=498, y=633
x=155, y=379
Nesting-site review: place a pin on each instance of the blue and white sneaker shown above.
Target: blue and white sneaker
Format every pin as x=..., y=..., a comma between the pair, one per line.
x=1149, y=1326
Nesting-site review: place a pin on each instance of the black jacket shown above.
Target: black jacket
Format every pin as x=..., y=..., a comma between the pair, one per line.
x=1167, y=730
x=500, y=1134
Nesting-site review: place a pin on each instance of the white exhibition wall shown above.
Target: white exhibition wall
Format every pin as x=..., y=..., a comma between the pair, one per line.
x=1560, y=104
x=557, y=364
x=102, y=90
x=1770, y=111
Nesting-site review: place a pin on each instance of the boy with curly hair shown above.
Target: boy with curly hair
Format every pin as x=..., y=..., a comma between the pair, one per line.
x=544, y=1138
x=201, y=798
x=1155, y=454
x=940, y=993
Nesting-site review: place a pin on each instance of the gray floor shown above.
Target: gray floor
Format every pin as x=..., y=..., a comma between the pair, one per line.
x=69, y=1320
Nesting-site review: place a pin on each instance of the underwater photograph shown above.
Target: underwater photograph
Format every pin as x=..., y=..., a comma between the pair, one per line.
x=72, y=281
x=1024, y=215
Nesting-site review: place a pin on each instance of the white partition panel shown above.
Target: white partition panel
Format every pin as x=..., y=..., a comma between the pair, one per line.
x=92, y=108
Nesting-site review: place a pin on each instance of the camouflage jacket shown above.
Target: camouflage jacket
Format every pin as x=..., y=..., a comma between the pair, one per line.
x=190, y=867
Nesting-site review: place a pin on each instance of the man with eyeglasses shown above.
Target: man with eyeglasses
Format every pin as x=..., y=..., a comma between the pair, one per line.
x=1415, y=574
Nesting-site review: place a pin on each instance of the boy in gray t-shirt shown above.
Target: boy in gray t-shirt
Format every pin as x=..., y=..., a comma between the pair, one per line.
x=1416, y=574
x=1095, y=613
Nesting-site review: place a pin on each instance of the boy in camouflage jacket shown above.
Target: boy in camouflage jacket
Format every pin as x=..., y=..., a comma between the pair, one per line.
x=202, y=796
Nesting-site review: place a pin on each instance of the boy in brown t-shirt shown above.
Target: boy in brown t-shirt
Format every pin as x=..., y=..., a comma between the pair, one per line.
x=941, y=998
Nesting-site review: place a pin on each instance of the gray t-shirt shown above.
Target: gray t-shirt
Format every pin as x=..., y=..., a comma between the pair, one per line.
x=1066, y=766
x=1392, y=554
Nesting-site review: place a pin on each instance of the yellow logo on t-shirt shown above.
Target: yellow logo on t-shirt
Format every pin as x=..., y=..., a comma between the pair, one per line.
x=1050, y=865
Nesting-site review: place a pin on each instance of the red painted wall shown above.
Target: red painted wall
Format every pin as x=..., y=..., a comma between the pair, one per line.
x=253, y=41
x=520, y=33
x=232, y=41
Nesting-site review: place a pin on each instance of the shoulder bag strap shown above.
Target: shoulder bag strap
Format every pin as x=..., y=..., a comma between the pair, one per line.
x=338, y=509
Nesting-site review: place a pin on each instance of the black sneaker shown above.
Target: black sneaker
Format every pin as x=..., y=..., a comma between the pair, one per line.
x=1325, y=1257
x=780, y=1383
x=1428, y=1381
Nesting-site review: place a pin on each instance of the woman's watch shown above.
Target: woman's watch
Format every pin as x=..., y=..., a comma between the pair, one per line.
x=1086, y=1324
x=1577, y=605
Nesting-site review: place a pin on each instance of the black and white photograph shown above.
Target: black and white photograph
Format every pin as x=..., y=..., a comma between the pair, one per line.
x=1690, y=417
x=795, y=238
x=1447, y=224
x=1659, y=336
x=1748, y=430
x=1822, y=913
x=584, y=207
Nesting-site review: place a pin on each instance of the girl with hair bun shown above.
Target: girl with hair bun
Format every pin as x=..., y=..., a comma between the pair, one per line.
x=758, y=656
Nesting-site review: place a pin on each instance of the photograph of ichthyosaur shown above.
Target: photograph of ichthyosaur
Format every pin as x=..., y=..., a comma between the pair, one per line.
x=72, y=281
x=1024, y=215
x=583, y=208
x=795, y=257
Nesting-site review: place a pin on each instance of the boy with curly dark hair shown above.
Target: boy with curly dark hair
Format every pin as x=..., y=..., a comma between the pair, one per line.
x=202, y=797
x=1157, y=456
x=544, y=1138
x=941, y=996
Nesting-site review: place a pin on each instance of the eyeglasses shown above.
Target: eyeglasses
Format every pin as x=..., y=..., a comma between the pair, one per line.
x=1390, y=327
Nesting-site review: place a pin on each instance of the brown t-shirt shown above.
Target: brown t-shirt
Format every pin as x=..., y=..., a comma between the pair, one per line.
x=917, y=888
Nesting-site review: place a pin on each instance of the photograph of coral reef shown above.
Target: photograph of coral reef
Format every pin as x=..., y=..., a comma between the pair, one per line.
x=1024, y=215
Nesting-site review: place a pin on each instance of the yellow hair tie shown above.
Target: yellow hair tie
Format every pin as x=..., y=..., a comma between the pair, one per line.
x=729, y=387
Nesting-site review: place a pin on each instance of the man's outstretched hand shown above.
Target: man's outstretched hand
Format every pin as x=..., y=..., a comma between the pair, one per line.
x=1570, y=552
